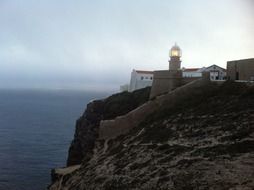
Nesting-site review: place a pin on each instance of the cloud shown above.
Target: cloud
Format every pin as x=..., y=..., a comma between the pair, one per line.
x=61, y=43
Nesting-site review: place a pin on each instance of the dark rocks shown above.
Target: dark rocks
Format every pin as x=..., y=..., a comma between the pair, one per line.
x=85, y=134
x=81, y=148
x=195, y=145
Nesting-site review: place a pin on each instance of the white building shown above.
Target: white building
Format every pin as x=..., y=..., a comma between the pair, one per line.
x=192, y=72
x=140, y=79
x=216, y=72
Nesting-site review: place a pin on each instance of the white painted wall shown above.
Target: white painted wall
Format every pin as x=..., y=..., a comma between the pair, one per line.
x=140, y=80
x=216, y=72
x=192, y=74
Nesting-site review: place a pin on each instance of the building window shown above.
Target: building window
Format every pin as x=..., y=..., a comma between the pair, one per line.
x=142, y=78
x=151, y=78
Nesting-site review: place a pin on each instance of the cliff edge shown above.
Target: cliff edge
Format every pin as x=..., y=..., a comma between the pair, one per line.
x=87, y=125
x=204, y=140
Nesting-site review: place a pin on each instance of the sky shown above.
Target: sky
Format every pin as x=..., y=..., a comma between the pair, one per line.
x=94, y=45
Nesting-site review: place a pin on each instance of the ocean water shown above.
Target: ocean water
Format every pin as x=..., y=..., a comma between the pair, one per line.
x=36, y=128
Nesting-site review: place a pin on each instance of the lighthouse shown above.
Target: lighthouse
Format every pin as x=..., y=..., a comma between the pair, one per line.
x=175, y=54
x=167, y=80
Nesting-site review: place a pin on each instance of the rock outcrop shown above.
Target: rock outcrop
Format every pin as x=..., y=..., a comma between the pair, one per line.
x=204, y=141
x=87, y=125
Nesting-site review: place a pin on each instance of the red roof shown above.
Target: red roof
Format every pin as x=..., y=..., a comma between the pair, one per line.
x=191, y=69
x=144, y=72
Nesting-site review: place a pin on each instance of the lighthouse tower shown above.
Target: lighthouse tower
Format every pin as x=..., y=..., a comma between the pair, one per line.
x=175, y=54
x=166, y=80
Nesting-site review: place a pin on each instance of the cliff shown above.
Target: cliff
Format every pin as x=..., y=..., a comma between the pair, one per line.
x=203, y=140
x=87, y=125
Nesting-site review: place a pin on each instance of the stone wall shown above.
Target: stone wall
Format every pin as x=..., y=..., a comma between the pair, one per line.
x=241, y=69
x=110, y=129
x=168, y=80
x=87, y=125
x=187, y=80
x=165, y=81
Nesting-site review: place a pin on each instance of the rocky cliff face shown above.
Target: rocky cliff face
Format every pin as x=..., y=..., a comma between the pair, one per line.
x=206, y=141
x=87, y=125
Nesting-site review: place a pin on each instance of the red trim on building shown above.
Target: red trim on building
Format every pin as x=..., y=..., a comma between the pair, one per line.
x=191, y=69
x=144, y=72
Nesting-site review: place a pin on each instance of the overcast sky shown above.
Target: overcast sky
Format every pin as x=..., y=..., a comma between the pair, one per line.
x=96, y=44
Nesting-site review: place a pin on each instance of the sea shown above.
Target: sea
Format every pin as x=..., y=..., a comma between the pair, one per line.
x=36, y=129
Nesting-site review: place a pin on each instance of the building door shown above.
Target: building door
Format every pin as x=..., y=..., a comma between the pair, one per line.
x=237, y=76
